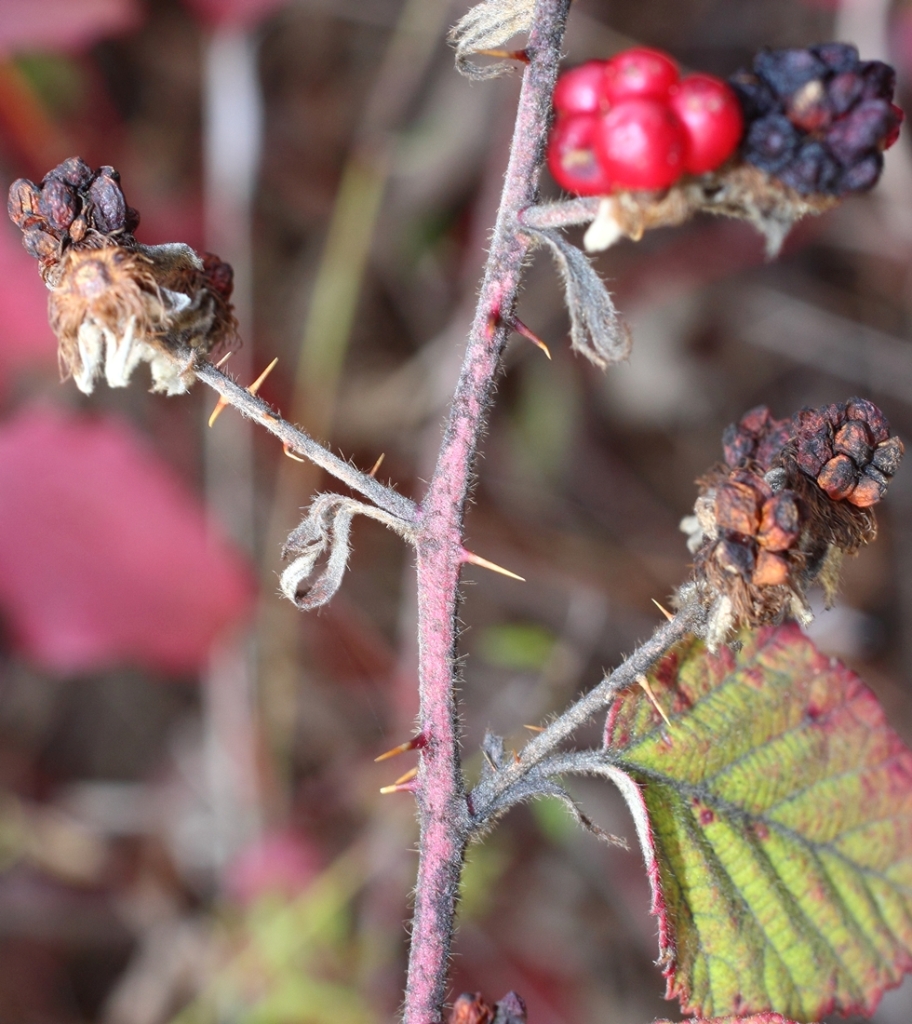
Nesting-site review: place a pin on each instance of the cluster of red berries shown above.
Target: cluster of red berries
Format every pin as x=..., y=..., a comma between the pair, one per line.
x=818, y=118
x=631, y=122
x=73, y=205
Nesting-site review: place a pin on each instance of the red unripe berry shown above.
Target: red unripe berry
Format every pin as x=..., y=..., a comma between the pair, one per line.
x=893, y=135
x=711, y=115
x=581, y=90
x=640, y=72
x=641, y=144
x=571, y=159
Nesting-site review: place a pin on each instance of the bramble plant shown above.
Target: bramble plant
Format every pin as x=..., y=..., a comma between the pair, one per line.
x=771, y=800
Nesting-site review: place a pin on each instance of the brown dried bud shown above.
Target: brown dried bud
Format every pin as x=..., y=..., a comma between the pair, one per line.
x=736, y=508
x=735, y=557
x=74, y=171
x=22, y=204
x=756, y=437
x=58, y=204
x=813, y=440
x=471, y=1009
x=772, y=570
x=854, y=439
x=862, y=409
x=39, y=244
x=219, y=275
x=779, y=523
x=838, y=477
x=834, y=414
x=871, y=487
x=887, y=455
x=109, y=208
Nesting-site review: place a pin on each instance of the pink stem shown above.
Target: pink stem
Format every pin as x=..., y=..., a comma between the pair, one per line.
x=442, y=808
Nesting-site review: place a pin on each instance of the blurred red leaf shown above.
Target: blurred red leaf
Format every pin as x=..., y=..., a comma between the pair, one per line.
x=240, y=13
x=279, y=864
x=105, y=557
x=63, y=24
x=26, y=337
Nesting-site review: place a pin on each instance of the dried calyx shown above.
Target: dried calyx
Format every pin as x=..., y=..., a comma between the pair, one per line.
x=114, y=302
x=793, y=498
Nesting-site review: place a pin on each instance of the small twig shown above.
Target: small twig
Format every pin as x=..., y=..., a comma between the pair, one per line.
x=294, y=439
x=492, y=796
x=565, y=214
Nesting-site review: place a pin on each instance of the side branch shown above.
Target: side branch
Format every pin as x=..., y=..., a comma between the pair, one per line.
x=296, y=440
x=494, y=795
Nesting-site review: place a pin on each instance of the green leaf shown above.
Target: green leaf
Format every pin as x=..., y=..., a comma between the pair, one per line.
x=756, y=1018
x=779, y=832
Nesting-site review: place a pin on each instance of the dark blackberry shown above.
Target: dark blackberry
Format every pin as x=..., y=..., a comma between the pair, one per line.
x=812, y=169
x=771, y=143
x=879, y=80
x=862, y=175
x=755, y=96
x=109, y=210
x=860, y=131
x=843, y=92
x=787, y=70
x=837, y=57
x=73, y=171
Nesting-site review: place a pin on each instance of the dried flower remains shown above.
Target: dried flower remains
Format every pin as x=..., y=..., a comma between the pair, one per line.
x=114, y=302
x=793, y=498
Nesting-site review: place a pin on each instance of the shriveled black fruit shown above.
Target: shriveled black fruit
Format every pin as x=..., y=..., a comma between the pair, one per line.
x=771, y=142
x=787, y=70
x=818, y=118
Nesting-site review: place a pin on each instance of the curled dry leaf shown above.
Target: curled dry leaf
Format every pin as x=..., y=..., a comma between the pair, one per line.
x=596, y=329
x=486, y=26
x=326, y=528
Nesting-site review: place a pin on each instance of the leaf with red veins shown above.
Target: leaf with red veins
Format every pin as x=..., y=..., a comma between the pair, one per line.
x=775, y=814
x=754, y=1018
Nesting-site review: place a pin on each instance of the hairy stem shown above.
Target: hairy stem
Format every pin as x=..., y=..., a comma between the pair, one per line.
x=493, y=797
x=564, y=214
x=297, y=440
x=442, y=809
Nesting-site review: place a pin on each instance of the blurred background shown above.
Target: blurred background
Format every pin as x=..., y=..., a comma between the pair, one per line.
x=190, y=825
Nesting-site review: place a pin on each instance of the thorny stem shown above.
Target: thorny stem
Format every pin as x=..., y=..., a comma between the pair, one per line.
x=442, y=808
x=492, y=796
x=297, y=440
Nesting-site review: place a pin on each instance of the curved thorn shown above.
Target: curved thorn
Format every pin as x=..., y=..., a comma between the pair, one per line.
x=291, y=454
x=521, y=328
